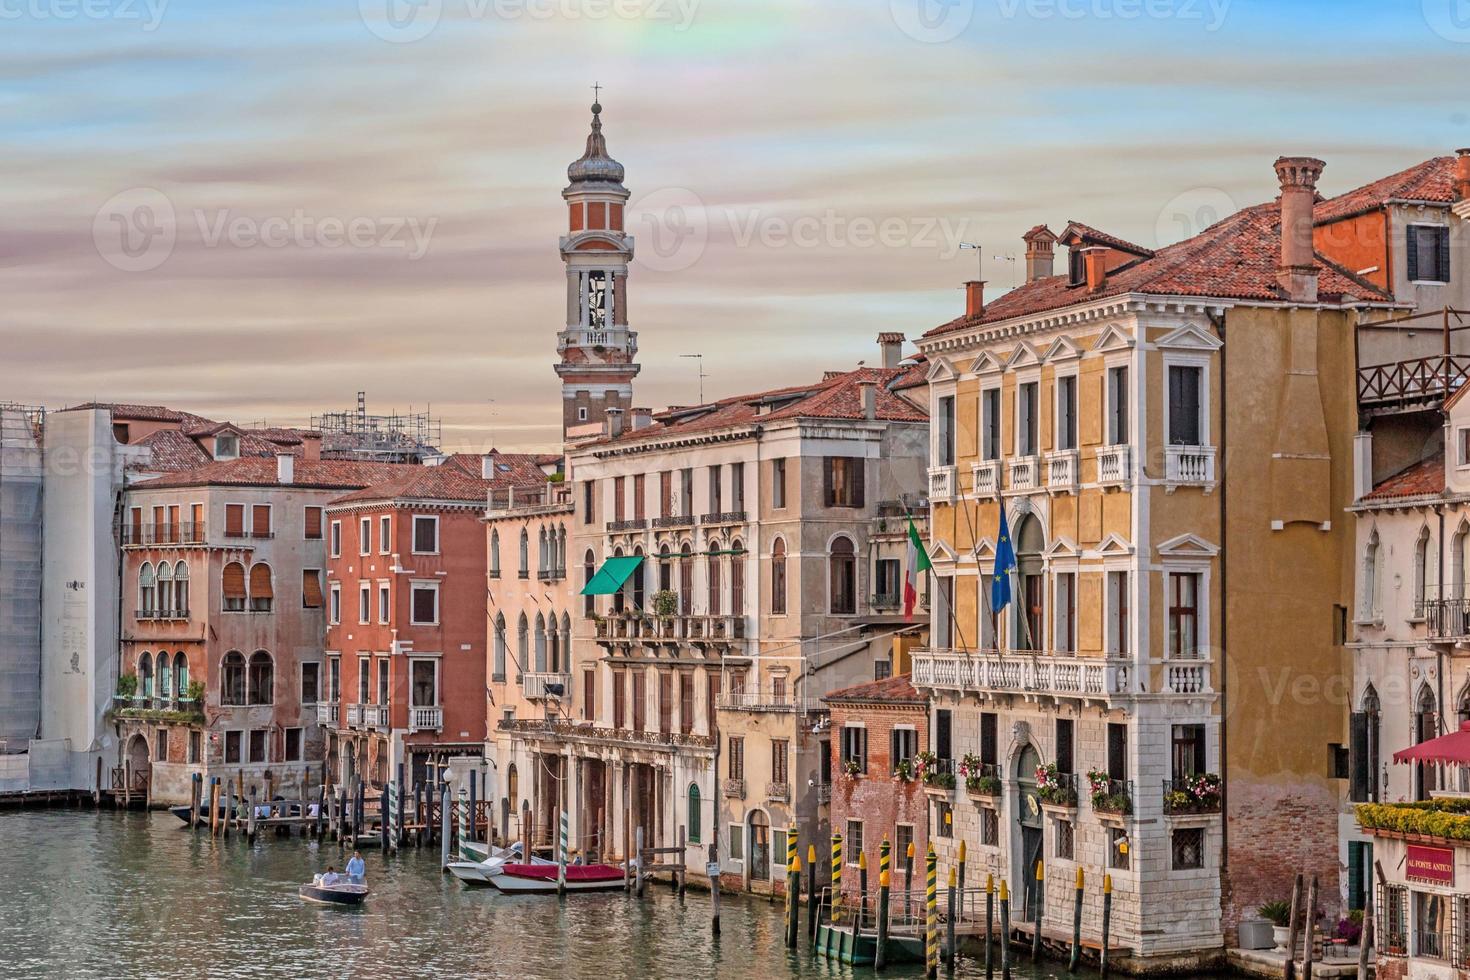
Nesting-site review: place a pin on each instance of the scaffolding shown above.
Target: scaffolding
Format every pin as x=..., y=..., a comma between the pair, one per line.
x=393, y=438
x=21, y=483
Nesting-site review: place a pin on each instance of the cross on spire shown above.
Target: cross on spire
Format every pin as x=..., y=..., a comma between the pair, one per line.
x=596, y=91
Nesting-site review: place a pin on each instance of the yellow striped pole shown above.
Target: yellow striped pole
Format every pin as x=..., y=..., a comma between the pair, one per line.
x=949, y=923
x=1005, y=930
x=1107, y=923
x=880, y=954
x=1076, y=924
x=836, y=878
x=1036, y=937
x=931, y=918
x=908, y=882
x=989, y=924
x=862, y=886
x=885, y=855
x=962, y=870
x=811, y=890
x=791, y=836
x=793, y=902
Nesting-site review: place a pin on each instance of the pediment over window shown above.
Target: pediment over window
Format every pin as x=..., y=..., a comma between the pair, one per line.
x=987, y=363
x=1188, y=337
x=1113, y=544
x=1188, y=546
x=1023, y=356
x=1063, y=349
x=941, y=371
x=1112, y=338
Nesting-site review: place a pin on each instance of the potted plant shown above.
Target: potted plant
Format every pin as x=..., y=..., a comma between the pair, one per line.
x=1107, y=795
x=127, y=685
x=1278, y=913
x=665, y=603
x=904, y=771
x=979, y=779
x=194, y=692
x=851, y=769
x=1053, y=787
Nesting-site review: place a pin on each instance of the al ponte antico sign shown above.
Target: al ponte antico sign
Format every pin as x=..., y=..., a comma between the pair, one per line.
x=1431, y=865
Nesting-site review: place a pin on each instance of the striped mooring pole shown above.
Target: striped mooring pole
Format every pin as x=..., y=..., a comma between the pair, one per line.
x=880, y=953
x=812, y=899
x=561, y=857
x=1107, y=924
x=908, y=882
x=1076, y=924
x=885, y=856
x=931, y=916
x=862, y=910
x=836, y=878
x=1036, y=937
x=989, y=926
x=949, y=923
x=1005, y=930
x=793, y=900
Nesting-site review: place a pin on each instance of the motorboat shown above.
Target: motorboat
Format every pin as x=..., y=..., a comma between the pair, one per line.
x=471, y=850
x=542, y=878
x=479, y=872
x=341, y=892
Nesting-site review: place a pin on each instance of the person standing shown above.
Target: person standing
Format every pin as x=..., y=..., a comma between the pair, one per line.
x=356, y=869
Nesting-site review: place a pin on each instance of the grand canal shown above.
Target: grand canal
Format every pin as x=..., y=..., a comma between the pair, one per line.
x=111, y=895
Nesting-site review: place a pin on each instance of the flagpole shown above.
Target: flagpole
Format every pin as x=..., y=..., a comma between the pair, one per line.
x=954, y=623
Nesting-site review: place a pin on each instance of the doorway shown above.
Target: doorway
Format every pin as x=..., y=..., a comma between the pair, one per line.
x=1029, y=823
x=760, y=846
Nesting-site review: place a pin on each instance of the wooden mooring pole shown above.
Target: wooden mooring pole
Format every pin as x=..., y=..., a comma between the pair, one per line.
x=1107, y=925
x=989, y=926
x=880, y=954
x=949, y=925
x=1076, y=924
x=931, y=914
x=1310, y=914
x=1005, y=931
x=1293, y=923
x=714, y=886
x=1036, y=936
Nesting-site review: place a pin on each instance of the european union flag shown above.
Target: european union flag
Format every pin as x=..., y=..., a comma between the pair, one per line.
x=1005, y=567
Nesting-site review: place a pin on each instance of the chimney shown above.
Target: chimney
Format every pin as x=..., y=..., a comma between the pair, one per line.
x=1462, y=174
x=1039, y=254
x=890, y=345
x=285, y=468
x=487, y=466
x=1094, y=260
x=614, y=427
x=870, y=398
x=311, y=446
x=975, y=297
x=1297, y=271
x=642, y=418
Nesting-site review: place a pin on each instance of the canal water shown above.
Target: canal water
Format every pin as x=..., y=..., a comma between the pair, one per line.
x=111, y=895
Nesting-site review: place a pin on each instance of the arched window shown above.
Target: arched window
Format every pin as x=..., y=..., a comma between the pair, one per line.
x=525, y=554
x=494, y=553
x=693, y=821
x=566, y=645
x=147, y=591
x=261, y=688
x=499, y=646
x=1457, y=561
x=737, y=578
x=1372, y=579
x=778, y=578
x=261, y=594
x=540, y=644
x=1426, y=726
x=232, y=679
x=589, y=569
x=1423, y=574
x=561, y=551
x=164, y=672
x=523, y=643
x=165, y=589
x=640, y=579
x=232, y=587
x=620, y=597
x=181, y=674
x=1371, y=711
x=716, y=591
x=842, y=576
x=543, y=552
x=686, y=579
x=181, y=589
x=665, y=569
x=513, y=787
x=145, y=675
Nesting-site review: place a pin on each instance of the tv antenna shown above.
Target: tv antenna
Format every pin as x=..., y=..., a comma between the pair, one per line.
x=699, y=363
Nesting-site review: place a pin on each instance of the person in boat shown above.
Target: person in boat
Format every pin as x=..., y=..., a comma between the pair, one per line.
x=356, y=869
x=331, y=877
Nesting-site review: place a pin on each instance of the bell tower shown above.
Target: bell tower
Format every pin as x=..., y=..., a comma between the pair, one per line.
x=596, y=348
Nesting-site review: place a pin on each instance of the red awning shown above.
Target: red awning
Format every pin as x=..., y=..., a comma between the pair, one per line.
x=1453, y=748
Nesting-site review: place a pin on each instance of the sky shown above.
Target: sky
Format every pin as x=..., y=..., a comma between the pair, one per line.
x=255, y=209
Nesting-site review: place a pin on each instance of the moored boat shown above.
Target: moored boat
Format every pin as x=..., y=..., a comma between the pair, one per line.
x=479, y=873
x=541, y=879
x=339, y=893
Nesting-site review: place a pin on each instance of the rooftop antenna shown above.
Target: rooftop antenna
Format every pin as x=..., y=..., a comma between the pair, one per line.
x=1011, y=258
x=979, y=257
x=699, y=361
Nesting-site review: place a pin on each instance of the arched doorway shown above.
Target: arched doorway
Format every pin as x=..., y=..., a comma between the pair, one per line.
x=1027, y=844
x=136, y=765
x=760, y=846
x=1426, y=724
x=1031, y=621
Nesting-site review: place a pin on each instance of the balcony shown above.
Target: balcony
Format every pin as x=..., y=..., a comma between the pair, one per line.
x=365, y=715
x=327, y=714
x=561, y=732
x=595, y=337
x=778, y=792
x=1112, y=796
x=161, y=614
x=632, y=524
x=985, y=478
x=425, y=719
x=1187, y=677
x=1189, y=466
x=1061, y=471
x=550, y=574
x=765, y=701
x=724, y=517
x=1114, y=465
x=1192, y=794
x=546, y=686
x=1023, y=472
x=1447, y=620
x=884, y=601
x=674, y=521
x=154, y=535
x=734, y=789
x=942, y=484
x=153, y=707
x=1018, y=672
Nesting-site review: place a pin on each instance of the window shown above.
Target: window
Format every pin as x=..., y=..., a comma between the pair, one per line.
x=1185, y=428
x=425, y=535
x=1076, y=267
x=943, y=818
x=1372, y=577
x=260, y=521
x=293, y=745
x=262, y=678
x=855, y=749
x=365, y=536
x=312, y=522
x=335, y=544
x=258, y=741
x=589, y=570
x=887, y=584
x=1065, y=618
x=232, y=748
x=943, y=743
x=385, y=534
x=1026, y=418
x=196, y=746
x=160, y=745
x=692, y=821
x=1066, y=739
x=1423, y=573
x=385, y=603
x=232, y=679
x=311, y=588
x=737, y=842
x=1431, y=925
x=1117, y=751
x=1183, y=615
x=640, y=699
x=778, y=484
x=334, y=605
x=989, y=746
x=226, y=447
x=716, y=498
x=620, y=698
x=1066, y=839
x=1118, y=405
x=334, y=679
x=737, y=487
x=1067, y=412
x=853, y=842
x=843, y=477
x=665, y=702
x=686, y=701
x=903, y=838
x=364, y=602
x=262, y=596
x=589, y=694
x=780, y=761
x=1118, y=612
x=842, y=577
x=882, y=670
x=424, y=597
x=524, y=571
x=686, y=492
x=904, y=744
x=1118, y=848
x=1188, y=750
x=990, y=424
x=494, y=556
x=311, y=681
x=1363, y=763
x=1392, y=934
x=989, y=827
x=617, y=509
x=589, y=494
x=424, y=684
x=364, y=680
x=640, y=497
x=234, y=520
x=232, y=587
x=1428, y=253
x=581, y=413
x=383, y=680
x=778, y=578
x=148, y=592
x=737, y=757
x=946, y=439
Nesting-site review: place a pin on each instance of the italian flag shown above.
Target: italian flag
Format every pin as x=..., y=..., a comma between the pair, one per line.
x=918, y=561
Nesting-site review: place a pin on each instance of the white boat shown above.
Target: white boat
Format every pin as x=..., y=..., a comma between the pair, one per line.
x=480, y=872
x=537, y=879
x=470, y=850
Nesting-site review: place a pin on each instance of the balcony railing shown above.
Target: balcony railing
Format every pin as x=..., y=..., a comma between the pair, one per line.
x=162, y=613
x=778, y=792
x=765, y=701
x=1447, y=619
x=188, y=532
x=986, y=478
x=1023, y=473
x=367, y=715
x=1061, y=470
x=1113, y=796
x=546, y=686
x=734, y=788
x=1187, y=677
x=1189, y=466
x=551, y=574
x=942, y=484
x=724, y=517
x=425, y=719
x=631, y=524
x=327, y=713
x=991, y=671
x=154, y=702
x=581, y=732
x=1114, y=465
x=671, y=629
x=674, y=520
x=885, y=600
x=1182, y=794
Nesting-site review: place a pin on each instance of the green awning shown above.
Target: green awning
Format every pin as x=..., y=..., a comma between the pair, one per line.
x=611, y=576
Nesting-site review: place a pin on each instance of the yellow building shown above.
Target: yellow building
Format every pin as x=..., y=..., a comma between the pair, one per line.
x=1170, y=433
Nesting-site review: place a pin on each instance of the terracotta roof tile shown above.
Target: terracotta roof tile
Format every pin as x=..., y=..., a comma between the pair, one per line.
x=1432, y=180
x=894, y=690
x=1088, y=233
x=457, y=478
x=1421, y=479
x=260, y=471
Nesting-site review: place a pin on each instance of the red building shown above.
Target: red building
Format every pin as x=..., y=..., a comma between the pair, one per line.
x=405, y=647
x=875, y=726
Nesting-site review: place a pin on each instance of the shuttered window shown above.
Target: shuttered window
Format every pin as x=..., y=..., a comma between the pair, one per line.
x=313, y=523
x=1428, y=253
x=261, y=594
x=1184, y=405
x=234, y=520
x=260, y=521
x=842, y=478
x=233, y=586
x=311, y=588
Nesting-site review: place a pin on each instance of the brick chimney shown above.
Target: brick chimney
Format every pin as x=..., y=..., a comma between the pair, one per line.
x=311, y=446
x=974, y=297
x=1039, y=254
x=869, y=391
x=890, y=345
x=614, y=425
x=1095, y=261
x=1462, y=174
x=1297, y=271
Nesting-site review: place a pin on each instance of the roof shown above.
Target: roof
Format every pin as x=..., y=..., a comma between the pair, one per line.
x=1423, y=478
x=124, y=412
x=1235, y=258
x=1077, y=230
x=458, y=478
x=836, y=396
x=258, y=471
x=1432, y=180
x=891, y=690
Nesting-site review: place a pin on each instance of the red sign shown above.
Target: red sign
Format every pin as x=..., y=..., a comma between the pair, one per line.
x=1432, y=865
